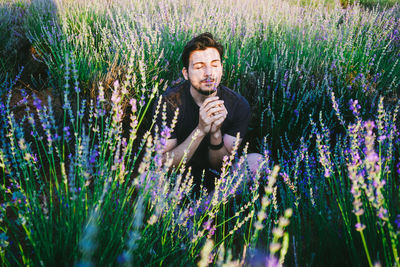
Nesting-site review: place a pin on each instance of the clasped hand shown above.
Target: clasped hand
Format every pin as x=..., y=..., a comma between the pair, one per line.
x=212, y=114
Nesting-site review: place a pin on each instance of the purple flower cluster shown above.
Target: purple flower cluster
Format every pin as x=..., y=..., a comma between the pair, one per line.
x=355, y=107
x=165, y=135
x=397, y=221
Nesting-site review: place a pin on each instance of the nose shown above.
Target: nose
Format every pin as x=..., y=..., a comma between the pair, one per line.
x=208, y=71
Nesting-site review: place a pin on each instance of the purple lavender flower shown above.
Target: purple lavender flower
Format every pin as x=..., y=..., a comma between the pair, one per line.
x=142, y=101
x=207, y=225
x=260, y=258
x=158, y=160
x=212, y=231
x=373, y=157
x=360, y=227
x=163, y=142
x=93, y=155
x=272, y=262
x=2, y=109
x=354, y=107
x=285, y=79
x=381, y=138
x=132, y=102
x=37, y=102
x=191, y=212
x=121, y=259
x=397, y=221
x=24, y=99
x=382, y=214
x=166, y=132
x=116, y=84
x=67, y=134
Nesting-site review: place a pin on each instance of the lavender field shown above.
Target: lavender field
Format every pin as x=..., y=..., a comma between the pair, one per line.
x=82, y=180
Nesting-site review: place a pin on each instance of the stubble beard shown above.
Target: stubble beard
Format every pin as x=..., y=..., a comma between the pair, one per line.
x=204, y=92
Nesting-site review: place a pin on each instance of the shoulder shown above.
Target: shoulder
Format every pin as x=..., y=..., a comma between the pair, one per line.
x=174, y=96
x=233, y=98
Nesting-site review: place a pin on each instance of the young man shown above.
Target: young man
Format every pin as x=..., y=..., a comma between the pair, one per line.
x=210, y=114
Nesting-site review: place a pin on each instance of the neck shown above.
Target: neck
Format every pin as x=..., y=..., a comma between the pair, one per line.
x=198, y=97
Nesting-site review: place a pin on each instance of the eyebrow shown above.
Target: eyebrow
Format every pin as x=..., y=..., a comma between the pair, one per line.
x=201, y=62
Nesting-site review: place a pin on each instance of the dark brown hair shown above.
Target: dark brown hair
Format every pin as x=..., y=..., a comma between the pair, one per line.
x=200, y=42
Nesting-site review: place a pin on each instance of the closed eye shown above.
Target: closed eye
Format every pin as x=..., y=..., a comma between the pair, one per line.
x=216, y=63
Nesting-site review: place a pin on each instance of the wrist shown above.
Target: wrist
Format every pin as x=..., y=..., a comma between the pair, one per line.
x=200, y=133
x=216, y=146
x=216, y=138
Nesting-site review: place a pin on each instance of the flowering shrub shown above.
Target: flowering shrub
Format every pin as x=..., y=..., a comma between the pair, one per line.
x=83, y=181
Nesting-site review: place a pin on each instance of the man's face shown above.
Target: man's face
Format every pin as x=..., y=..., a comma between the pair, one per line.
x=204, y=71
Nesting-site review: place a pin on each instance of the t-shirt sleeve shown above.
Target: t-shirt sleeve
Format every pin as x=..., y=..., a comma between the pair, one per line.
x=169, y=113
x=240, y=119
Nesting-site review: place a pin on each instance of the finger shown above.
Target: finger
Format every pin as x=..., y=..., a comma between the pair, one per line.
x=216, y=103
x=206, y=119
x=224, y=110
x=223, y=106
x=219, y=120
x=214, y=111
x=210, y=99
x=221, y=109
x=218, y=117
x=217, y=124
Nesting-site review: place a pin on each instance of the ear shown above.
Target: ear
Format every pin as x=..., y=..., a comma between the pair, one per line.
x=185, y=73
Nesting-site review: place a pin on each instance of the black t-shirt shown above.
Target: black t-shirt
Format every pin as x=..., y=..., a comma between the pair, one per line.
x=237, y=119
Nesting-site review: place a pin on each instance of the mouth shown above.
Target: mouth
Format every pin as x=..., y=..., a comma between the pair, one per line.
x=209, y=83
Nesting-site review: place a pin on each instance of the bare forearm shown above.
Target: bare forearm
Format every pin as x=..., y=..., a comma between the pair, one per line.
x=188, y=146
x=216, y=156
